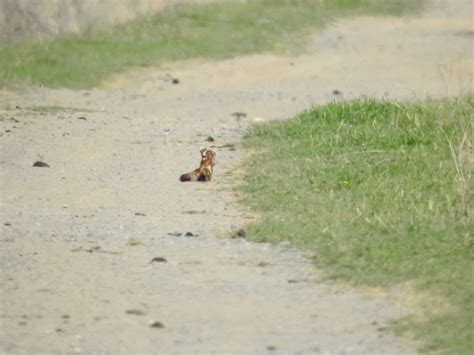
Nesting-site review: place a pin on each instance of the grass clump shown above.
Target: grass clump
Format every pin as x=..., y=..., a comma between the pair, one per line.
x=210, y=31
x=379, y=192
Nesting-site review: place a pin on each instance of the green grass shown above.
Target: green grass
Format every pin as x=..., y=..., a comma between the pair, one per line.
x=378, y=193
x=211, y=31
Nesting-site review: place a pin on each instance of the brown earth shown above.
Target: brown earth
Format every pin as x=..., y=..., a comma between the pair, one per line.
x=77, y=238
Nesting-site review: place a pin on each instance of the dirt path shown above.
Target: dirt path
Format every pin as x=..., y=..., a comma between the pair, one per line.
x=77, y=238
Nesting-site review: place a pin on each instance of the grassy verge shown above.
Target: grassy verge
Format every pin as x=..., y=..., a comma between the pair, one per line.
x=379, y=193
x=211, y=31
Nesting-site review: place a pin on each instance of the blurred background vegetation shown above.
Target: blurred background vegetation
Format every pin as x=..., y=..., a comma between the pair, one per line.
x=215, y=31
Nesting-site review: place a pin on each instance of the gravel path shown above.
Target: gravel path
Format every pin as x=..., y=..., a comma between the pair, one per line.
x=78, y=238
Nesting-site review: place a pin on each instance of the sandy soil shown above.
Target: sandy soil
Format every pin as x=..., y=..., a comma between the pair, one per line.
x=77, y=238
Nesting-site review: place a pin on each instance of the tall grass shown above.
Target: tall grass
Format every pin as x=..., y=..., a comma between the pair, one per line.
x=379, y=193
x=211, y=31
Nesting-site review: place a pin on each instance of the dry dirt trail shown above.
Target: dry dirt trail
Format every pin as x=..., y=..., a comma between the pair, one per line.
x=77, y=238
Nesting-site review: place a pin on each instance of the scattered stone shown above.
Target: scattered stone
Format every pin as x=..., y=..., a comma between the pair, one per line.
x=239, y=234
x=239, y=115
x=43, y=290
x=271, y=348
x=210, y=139
x=140, y=214
x=293, y=281
x=65, y=316
x=189, y=234
x=229, y=146
x=136, y=312
x=263, y=264
x=92, y=249
x=82, y=118
x=14, y=119
x=40, y=164
x=465, y=33
x=59, y=330
x=195, y=212
x=337, y=92
x=7, y=223
x=158, y=259
x=156, y=324
x=22, y=323
x=8, y=130
x=176, y=234
x=175, y=81
x=133, y=242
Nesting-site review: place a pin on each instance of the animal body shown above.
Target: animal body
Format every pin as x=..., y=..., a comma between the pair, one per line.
x=204, y=172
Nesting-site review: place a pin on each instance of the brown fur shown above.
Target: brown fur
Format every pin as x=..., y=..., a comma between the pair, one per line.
x=204, y=172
